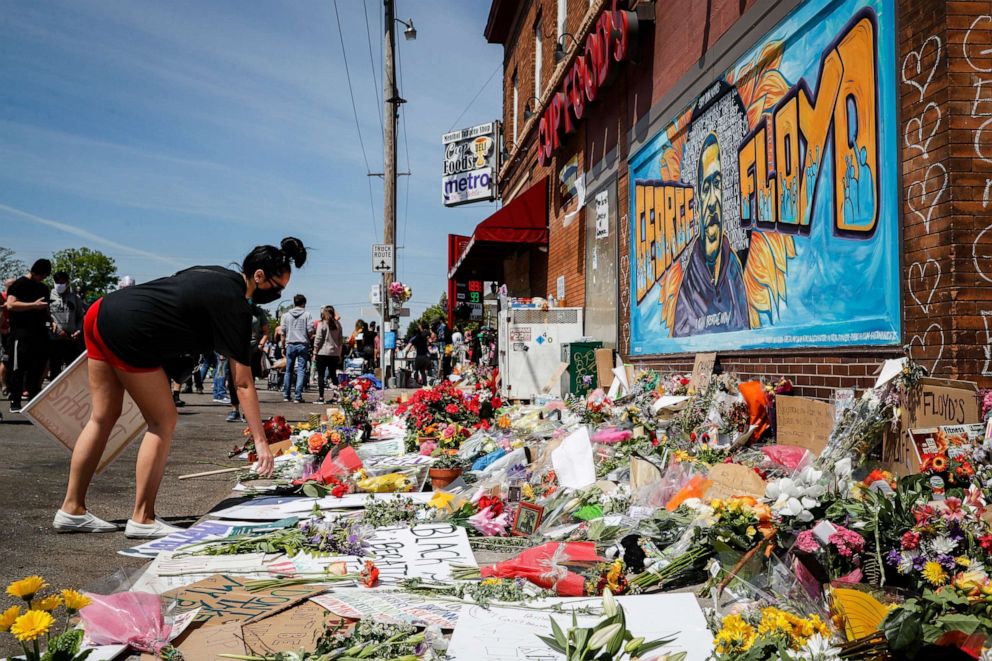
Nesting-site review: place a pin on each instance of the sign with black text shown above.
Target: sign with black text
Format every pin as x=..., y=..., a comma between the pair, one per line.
x=471, y=161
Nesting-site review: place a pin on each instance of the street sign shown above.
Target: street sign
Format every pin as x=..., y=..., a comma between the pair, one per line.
x=383, y=258
x=402, y=312
x=375, y=296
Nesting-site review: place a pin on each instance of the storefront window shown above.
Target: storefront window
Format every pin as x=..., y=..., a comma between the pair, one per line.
x=538, y=57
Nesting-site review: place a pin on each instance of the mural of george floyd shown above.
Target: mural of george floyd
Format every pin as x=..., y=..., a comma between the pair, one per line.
x=763, y=215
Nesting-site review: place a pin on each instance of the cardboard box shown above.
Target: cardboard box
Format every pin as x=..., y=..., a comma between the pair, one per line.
x=936, y=403
x=804, y=422
x=702, y=370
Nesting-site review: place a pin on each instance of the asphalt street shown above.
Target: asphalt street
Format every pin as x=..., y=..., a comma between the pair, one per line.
x=34, y=470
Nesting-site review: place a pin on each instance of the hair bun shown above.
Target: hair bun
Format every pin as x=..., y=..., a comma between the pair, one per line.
x=295, y=251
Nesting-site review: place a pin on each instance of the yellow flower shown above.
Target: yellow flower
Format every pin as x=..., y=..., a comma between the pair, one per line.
x=963, y=561
x=32, y=625
x=490, y=581
x=735, y=637
x=75, y=601
x=26, y=588
x=527, y=491
x=441, y=500
x=934, y=573
x=49, y=603
x=7, y=618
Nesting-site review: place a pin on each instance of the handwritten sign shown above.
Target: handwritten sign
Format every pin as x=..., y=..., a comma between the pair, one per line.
x=509, y=634
x=197, y=533
x=63, y=408
x=602, y=201
x=297, y=628
x=424, y=551
x=390, y=607
x=702, y=370
x=734, y=480
x=804, y=422
x=224, y=599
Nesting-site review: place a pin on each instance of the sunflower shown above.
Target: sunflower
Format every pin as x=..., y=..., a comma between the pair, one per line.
x=7, y=618
x=75, y=601
x=934, y=573
x=32, y=625
x=26, y=588
x=48, y=604
x=735, y=637
x=939, y=463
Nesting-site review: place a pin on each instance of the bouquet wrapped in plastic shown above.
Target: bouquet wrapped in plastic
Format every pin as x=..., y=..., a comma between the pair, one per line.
x=548, y=566
x=129, y=618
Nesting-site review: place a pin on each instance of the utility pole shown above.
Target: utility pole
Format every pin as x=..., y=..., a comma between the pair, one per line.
x=391, y=112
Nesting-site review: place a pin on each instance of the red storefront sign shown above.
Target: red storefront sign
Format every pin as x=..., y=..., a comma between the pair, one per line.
x=611, y=41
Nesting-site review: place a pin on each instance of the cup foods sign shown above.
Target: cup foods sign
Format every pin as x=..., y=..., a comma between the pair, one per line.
x=470, y=165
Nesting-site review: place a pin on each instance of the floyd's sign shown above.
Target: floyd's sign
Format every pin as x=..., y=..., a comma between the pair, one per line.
x=761, y=215
x=471, y=161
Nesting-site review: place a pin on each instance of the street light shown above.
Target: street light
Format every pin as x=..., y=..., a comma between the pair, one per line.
x=410, y=32
x=560, y=48
x=528, y=113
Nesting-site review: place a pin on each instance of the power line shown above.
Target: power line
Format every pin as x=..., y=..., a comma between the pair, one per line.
x=477, y=94
x=354, y=110
x=375, y=81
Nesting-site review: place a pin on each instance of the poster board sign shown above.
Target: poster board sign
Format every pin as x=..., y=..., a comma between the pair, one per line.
x=935, y=403
x=200, y=532
x=734, y=480
x=511, y=634
x=604, y=367
x=62, y=409
x=389, y=607
x=804, y=422
x=425, y=551
x=702, y=370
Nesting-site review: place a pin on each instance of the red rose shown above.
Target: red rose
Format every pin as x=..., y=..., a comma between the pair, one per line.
x=339, y=491
x=911, y=540
x=986, y=542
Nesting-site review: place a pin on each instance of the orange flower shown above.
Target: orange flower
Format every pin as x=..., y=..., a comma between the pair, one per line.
x=939, y=463
x=316, y=443
x=370, y=574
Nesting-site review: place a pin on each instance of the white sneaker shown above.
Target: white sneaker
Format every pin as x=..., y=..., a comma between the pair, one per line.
x=81, y=523
x=160, y=528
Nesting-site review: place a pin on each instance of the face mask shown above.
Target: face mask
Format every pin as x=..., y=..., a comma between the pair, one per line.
x=263, y=296
x=61, y=287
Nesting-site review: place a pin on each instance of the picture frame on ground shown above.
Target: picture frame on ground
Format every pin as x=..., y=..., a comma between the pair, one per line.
x=526, y=520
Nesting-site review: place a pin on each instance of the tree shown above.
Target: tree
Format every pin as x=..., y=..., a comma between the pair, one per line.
x=10, y=266
x=431, y=315
x=90, y=271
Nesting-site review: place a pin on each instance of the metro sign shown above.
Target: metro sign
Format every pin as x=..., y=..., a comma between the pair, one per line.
x=611, y=41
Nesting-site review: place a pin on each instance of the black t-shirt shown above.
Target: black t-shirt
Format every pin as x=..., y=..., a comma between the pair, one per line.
x=419, y=343
x=26, y=290
x=199, y=310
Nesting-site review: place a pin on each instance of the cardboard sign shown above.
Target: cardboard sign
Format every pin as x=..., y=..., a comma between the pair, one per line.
x=643, y=473
x=223, y=599
x=604, y=367
x=294, y=629
x=63, y=408
x=734, y=480
x=804, y=422
x=702, y=370
x=936, y=403
x=203, y=643
x=956, y=439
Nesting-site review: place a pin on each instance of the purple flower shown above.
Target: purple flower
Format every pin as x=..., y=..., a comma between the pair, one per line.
x=919, y=562
x=946, y=561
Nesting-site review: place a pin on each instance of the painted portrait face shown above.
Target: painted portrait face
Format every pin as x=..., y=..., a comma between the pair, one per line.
x=711, y=197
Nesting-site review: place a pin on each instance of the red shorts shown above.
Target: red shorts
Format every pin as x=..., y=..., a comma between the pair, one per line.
x=97, y=350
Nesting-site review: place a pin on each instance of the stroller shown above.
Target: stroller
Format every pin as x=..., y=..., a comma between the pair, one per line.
x=354, y=366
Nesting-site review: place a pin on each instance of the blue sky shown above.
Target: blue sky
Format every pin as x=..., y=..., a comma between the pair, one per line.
x=182, y=133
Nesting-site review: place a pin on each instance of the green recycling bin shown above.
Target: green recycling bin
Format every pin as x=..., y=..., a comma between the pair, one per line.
x=580, y=357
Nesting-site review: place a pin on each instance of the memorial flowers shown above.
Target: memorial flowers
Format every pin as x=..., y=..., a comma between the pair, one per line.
x=358, y=399
x=771, y=633
x=34, y=624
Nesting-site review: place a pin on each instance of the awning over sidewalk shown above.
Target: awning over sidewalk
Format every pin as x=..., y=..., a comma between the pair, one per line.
x=521, y=222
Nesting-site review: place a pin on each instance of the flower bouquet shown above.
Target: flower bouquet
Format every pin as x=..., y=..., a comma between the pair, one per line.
x=359, y=398
x=772, y=633
x=36, y=622
x=549, y=566
x=445, y=415
x=400, y=293
x=276, y=430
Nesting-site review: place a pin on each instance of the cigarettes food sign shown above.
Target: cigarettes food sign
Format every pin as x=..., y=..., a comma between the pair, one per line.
x=471, y=160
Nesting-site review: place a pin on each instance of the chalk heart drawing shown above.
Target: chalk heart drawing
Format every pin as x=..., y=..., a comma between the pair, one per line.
x=927, y=198
x=928, y=339
x=981, y=253
x=918, y=142
x=913, y=62
x=916, y=281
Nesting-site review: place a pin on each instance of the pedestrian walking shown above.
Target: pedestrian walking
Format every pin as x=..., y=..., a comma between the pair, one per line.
x=67, y=325
x=327, y=349
x=28, y=305
x=422, y=360
x=297, y=332
x=134, y=335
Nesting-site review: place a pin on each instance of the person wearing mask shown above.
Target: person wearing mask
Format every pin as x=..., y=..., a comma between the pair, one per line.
x=131, y=334
x=422, y=359
x=297, y=332
x=259, y=338
x=28, y=306
x=327, y=349
x=67, y=326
